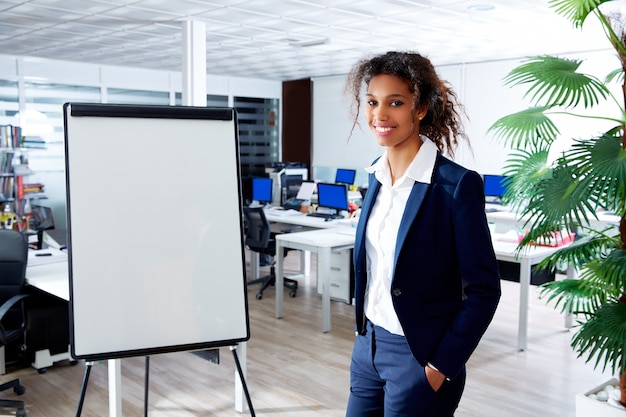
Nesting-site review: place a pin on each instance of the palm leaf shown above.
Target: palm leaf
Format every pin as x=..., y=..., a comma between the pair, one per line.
x=582, y=251
x=572, y=296
x=555, y=82
x=603, y=162
x=524, y=169
x=528, y=127
x=603, y=337
x=561, y=200
x=576, y=11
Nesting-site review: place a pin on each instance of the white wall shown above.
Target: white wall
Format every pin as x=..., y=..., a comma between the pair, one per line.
x=480, y=89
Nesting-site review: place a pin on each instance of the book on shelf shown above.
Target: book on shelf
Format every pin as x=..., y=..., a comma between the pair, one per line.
x=6, y=161
x=33, y=142
x=10, y=136
x=32, y=188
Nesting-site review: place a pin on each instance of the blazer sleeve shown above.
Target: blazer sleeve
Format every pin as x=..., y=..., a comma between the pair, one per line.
x=479, y=273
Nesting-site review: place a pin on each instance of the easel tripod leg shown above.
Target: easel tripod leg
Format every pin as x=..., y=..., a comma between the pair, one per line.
x=146, y=387
x=83, y=389
x=243, y=380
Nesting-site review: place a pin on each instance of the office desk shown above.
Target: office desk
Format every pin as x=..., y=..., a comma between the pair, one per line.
x=294, y=218
x=512, y=220
x=322, y=242
x=505, y=251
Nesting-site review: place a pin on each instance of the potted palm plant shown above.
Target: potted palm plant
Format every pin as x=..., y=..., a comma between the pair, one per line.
x=565, y=191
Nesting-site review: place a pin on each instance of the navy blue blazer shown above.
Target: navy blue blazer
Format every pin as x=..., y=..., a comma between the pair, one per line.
x=446, y=284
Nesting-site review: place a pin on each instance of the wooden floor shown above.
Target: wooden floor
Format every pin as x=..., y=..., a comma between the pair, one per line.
x=295, y=370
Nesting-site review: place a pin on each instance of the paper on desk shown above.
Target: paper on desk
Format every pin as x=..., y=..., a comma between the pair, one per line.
x=45, y=256
x=510, y=236
x=289, y=212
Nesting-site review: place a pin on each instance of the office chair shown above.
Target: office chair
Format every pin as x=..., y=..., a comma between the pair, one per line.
x=260, y=239
x=13, y=322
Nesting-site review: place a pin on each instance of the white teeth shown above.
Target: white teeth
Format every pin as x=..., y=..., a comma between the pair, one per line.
x=384, y=129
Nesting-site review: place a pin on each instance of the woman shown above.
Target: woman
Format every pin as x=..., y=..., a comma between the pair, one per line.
x=427, y=283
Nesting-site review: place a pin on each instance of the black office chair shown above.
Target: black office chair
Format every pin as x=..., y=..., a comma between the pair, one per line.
x=260, y=239
x=13, y=320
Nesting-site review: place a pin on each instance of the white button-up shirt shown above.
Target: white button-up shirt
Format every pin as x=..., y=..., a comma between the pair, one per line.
x=382, y=231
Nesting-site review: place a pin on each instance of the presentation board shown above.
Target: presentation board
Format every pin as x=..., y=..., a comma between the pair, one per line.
x=155, y=232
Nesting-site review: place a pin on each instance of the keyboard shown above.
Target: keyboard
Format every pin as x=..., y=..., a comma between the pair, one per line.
x=325, y=215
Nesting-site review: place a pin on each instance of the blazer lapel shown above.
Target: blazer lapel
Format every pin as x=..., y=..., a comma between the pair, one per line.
x=366, y=209
x=410, y=212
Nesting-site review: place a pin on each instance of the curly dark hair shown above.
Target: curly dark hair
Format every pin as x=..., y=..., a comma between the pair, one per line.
x=442, y=122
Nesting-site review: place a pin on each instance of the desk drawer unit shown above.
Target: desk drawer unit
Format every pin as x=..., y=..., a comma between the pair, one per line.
x=341, y=277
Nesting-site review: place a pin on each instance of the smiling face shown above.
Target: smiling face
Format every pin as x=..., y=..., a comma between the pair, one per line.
x=389, y=112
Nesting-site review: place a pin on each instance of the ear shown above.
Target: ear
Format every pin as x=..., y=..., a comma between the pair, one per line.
x=421, y=113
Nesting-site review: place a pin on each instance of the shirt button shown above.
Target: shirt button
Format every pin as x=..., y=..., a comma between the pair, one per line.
x=397, y=292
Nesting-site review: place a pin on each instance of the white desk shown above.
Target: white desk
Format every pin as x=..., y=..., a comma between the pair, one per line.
x=298, y=219
x=529, y=256
x=512, y=220
x=322, y=242
x=294, y=218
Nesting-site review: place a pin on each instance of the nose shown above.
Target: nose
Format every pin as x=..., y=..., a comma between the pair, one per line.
x=379, y=113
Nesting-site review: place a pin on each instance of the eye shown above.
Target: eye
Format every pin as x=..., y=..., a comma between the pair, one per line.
x=396, y=103
x=372, y=102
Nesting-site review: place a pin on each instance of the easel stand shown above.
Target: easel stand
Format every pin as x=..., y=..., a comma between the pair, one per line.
x=243, y=379
x=88, y=366
x=83, y=389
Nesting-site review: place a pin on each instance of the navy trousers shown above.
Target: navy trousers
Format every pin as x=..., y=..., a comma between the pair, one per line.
x=387, y=381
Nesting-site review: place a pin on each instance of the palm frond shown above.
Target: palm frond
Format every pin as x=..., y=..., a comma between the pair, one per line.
x=572, y=296
x=562, y=200
x=556, y=82
x=616, y=75
x=582, y=251
x=603, y=337
x=528, y=127
x=603, y=162
x=576, y=11
x=524, y=169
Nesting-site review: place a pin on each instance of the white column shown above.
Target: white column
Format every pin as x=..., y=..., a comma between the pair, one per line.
x=194, y=63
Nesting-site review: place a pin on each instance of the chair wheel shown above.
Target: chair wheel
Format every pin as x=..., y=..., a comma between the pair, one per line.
x=73, y=363
x=292, y=294
x=259, y=296
x=42, y=370
x=20, y=413
x=19, y=389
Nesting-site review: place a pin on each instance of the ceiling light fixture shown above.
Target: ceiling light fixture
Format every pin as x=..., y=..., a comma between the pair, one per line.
x=304, y=44
x=483, y=7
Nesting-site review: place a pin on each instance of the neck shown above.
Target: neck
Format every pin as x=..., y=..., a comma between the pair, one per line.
x=399, y=159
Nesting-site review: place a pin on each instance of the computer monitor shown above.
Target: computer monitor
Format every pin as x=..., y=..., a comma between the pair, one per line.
x=42, y=218
x=495, y=186
x=332, y=196
x=262, y=190
x=345, y=176
x=290, y=185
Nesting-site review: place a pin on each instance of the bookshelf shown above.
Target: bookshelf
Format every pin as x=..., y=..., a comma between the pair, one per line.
x=15, y=191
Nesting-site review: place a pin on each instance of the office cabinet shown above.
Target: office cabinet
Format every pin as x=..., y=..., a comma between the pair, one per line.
x=341, y=277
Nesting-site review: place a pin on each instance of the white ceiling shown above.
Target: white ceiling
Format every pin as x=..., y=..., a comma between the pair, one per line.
x=268, y=38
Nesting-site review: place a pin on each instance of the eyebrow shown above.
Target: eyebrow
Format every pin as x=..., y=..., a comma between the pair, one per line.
x=388, y=96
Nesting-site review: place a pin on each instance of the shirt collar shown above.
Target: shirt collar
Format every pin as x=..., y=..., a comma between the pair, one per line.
x=420, y=169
